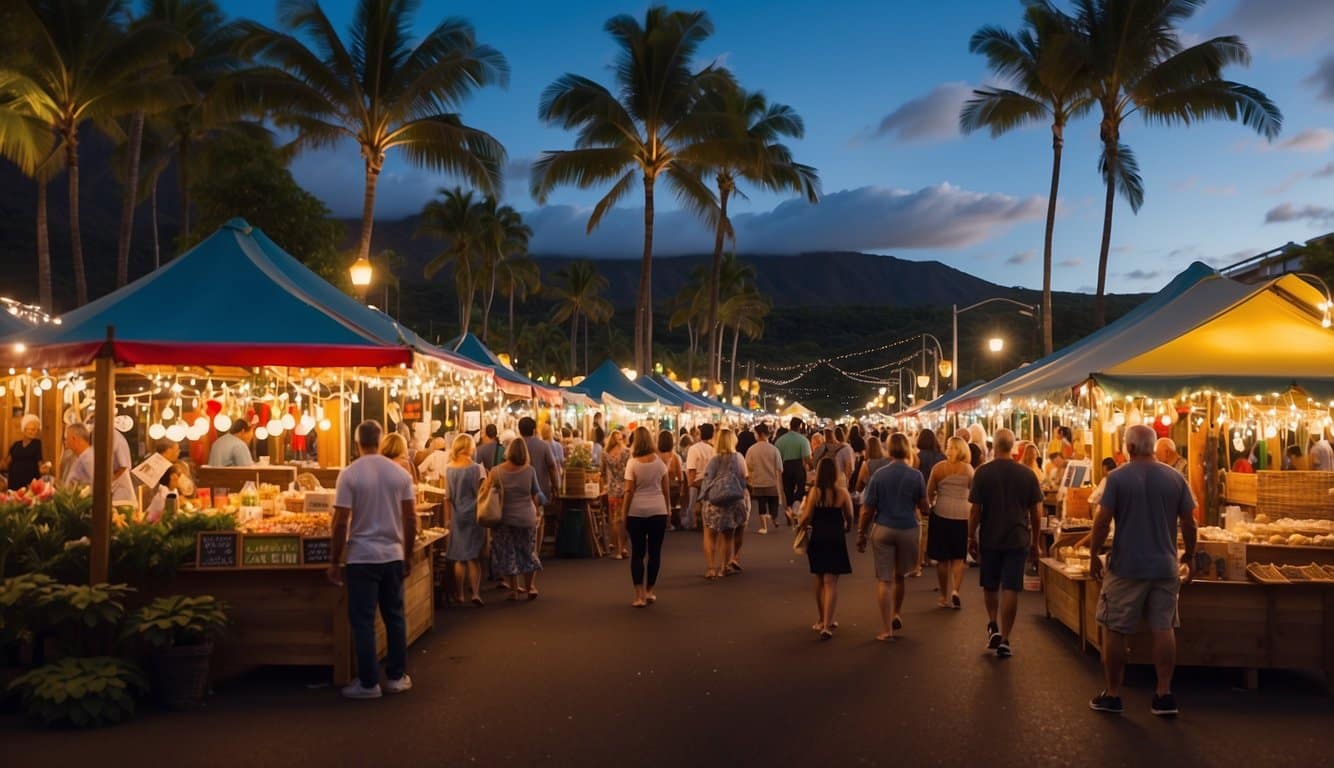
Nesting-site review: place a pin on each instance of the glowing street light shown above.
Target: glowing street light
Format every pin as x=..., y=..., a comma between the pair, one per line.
x=995, y=344
x=361, y=273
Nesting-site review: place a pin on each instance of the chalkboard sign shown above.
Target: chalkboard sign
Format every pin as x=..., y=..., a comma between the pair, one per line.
x=216, y=549
x=263, y=551
x=316, y=551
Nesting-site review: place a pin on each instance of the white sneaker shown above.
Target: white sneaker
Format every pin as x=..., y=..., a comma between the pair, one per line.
x=400, y=685
x=355, y=690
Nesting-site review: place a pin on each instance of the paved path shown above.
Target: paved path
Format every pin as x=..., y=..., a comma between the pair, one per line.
x=717, y=674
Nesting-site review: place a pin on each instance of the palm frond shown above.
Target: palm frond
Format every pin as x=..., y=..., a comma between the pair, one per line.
x=1000, y=110
x=444, y=143
x=582, y=168
x=1122, y=170
x=617, y=192
x=694, y=195
x=1216, y=99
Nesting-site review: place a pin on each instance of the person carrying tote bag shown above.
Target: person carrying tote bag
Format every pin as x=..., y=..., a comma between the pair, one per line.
x=491, y=506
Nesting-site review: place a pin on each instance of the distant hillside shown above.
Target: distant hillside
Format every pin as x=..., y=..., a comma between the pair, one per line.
x=839, y=278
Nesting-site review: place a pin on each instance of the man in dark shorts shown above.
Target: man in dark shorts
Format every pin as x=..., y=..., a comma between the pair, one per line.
x=795, y=450
x=1147, y=499
x=1003, y=533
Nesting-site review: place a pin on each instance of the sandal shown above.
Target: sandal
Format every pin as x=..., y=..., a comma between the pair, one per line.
x=532, y=594
x=477, y=601
x=825, y=634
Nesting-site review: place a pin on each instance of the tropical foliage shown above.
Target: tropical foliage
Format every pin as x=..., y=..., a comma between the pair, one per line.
x=637, y=132
x=578, y=297
x=378, y=89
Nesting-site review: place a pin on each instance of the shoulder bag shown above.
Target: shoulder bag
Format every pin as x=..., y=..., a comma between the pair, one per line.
x=726, y=487
x=799, y=542
x=491, y=507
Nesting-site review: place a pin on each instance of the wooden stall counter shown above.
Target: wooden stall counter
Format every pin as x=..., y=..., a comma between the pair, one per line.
x=290, y=615
x=1238, y=624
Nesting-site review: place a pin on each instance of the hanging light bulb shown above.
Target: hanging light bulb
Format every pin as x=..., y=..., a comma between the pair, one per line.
x=157, y=431
x=200, y=425
x=261, y=433
x=325, y=425
x=176, y=432
x=275, y=427
x=289, y=421
x=222, y=422
x=168, y=413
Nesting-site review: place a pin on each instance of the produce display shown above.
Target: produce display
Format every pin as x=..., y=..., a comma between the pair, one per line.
x=299, y=523
x=1285, y=532
x=1270, y=573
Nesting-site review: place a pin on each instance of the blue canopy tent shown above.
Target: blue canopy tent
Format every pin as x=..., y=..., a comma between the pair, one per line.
x=673, y=395
x=688, y=396
x=508, y=381
x=608, y=385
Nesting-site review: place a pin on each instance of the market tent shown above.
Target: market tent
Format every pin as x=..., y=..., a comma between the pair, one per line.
x=609, y=385
x=1269, y=341
x=700, y=403
x=795, y=408
x=1197, y=293
x=508, y=381
x=964, y=393
x=10, y=323
x=234, y=299
x=669, y=395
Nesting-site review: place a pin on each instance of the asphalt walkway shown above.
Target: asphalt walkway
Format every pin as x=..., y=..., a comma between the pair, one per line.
x=724, y=673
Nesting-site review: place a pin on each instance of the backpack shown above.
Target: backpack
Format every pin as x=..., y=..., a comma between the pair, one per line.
x=726, y=487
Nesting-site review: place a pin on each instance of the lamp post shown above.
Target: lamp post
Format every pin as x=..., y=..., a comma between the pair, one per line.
x=1027, y=310
x=942, y=368
x=361, y=273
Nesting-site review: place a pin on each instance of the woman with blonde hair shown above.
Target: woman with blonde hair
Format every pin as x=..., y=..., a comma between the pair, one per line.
x=675, y=474
x=827, y=511
x=514, y=541
x=614, y=460
x=395, y=448
x=646, y=513
x=1028, y=456
x=947, y=539
x=875, y=459
x=726, y=508
x=463, y=479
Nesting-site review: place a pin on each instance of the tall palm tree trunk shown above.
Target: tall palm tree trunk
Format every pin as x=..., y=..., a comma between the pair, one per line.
x=490, y=297
x=43, y=248
x=152, y=208
x=75, y=236
x=1057, y=145
x=1100, y=306
x=512, y=292
x=644, y=314
x=368, y=211
x=585, y=347
x=731, y=380
x=127, y=203
x=574, y=339
x=690, y=355
x=715, y=365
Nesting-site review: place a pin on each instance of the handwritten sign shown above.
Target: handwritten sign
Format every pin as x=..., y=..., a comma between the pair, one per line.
x=316, y=551
x=412, y=410
x=319, y=501
x=264, y=551
x=216, y=549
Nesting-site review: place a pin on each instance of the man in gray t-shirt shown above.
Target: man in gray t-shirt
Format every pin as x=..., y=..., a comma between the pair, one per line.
x=539, y=457
x=1148, y=500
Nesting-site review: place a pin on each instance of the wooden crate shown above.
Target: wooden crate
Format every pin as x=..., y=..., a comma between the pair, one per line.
x=1295, y=494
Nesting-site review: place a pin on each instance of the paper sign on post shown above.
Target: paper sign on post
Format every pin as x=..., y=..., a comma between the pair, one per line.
x=151, y=471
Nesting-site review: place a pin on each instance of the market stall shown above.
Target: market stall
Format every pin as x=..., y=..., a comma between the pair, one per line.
x=233, y=328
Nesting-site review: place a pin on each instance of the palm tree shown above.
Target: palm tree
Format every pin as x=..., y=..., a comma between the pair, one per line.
x=636, y=133
x=380, y=90
x=541, y=348
x=459, y=219
x=743, y=307
x=506, y=238
x=1049, y=84
x=28, y=142
x=688, y=308
x=579, y=296
x=519, y=278
x=1138, y=64
x=76, y=62
x=750, y=152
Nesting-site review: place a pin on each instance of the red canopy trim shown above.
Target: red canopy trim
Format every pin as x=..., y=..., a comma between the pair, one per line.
x=195, y=353
x=513, y=388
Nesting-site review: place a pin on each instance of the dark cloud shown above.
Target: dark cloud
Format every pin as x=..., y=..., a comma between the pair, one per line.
x=1280, y=26
x=1311, y=140
x=1288, y=212
x=1070, y=263
x=1140, y=274
x=1184, y=252
x=932, y=117
x=1023, y=257
x=1323, y=77
x=866, y=219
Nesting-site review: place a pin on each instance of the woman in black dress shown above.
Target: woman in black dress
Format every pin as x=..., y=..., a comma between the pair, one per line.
x=828, y=513
x=24, y=460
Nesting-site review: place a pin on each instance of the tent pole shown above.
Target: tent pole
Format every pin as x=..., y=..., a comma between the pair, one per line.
x=99, y=557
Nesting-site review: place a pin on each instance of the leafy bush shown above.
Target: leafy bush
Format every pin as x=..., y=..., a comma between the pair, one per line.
x=86, y=693
x=580, y=457
x=178, y=620
x=18, y=596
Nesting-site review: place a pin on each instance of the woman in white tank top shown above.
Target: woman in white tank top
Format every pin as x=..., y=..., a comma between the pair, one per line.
x=947, y=534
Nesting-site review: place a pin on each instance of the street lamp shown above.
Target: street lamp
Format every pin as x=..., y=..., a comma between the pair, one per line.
x=1027, y=310
x=361, y=272
x=995, y=344
x=943, y=367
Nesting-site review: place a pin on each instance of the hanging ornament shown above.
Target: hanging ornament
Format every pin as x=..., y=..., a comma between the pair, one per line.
x=168, y=413
x=157, y=431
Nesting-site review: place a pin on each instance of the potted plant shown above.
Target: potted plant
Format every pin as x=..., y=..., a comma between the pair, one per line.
x=83, y=692
x=180, y=629
x=578, y=468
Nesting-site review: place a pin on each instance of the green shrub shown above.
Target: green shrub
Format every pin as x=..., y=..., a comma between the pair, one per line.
x=178, y=620
x=86, y=693
x=18, y=596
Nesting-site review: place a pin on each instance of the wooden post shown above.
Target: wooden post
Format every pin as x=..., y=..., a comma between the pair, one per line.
x=1212, y=479
x=99, y=558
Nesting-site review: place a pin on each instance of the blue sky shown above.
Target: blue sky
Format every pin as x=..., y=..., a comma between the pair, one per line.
x=879, y=85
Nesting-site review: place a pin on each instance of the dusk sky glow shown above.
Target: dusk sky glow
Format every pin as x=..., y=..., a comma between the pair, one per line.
x=879, y=86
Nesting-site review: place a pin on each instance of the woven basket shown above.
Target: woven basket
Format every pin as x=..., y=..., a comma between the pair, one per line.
x=1300, y=495
x=1241, y=488
x=182, y=675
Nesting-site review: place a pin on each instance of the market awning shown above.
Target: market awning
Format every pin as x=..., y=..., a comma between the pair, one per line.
x=1269, y=341
x=574, y=396
x=670, y=395
x=703, y=403
x=234, y=299
x=510, y=382
x=11, y=324
x=1197, y=293
x=609, y=385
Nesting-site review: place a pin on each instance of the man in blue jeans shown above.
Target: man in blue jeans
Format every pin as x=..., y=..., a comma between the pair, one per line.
x=374, y=524
x=1003, y=533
